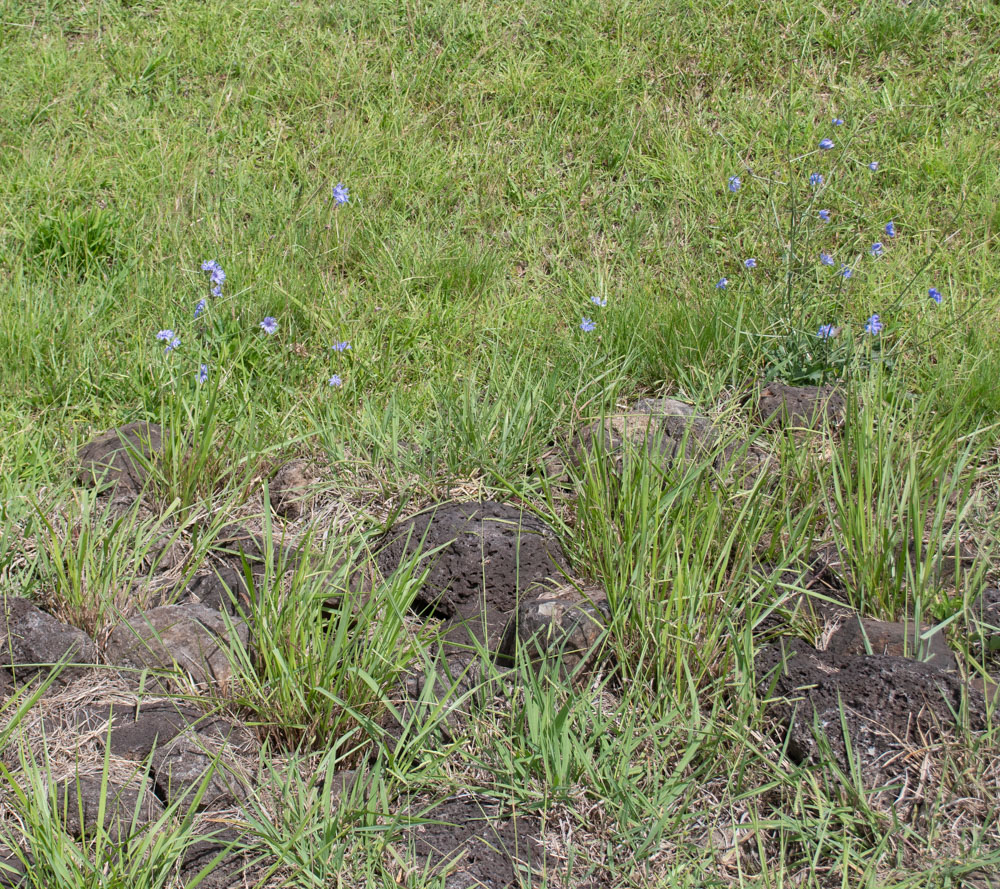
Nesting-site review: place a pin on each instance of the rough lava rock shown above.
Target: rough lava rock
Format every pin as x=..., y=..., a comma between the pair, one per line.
x=985, y=615
x=487, y=555
x=475, y=842
x=127, y=809
x=801, y=407
x=564, y=624
x=225, y=589
x=191, y=638
x=31, y=641
x=893, y=638
x=887, y=703
x=667, y=431
x=236, y=543
x=291, y=489
x=116, y=458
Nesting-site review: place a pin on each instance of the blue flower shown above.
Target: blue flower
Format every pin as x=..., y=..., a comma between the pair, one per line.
x=336, y=381
x=209, y=265
x=202, y=374
x=873, y=325
x=846, y=272
x=340, y=193
x=722, y=284
x=218, y=276
x=873, y=166
x=165, y=335
x=217, y=291
x=876, y=249
x=824, y=215
x=200, y=307
x=734, y=183
x=826, y=144
x=599, y=302
x=269, y=325
x=340, y=347
x=935, y=295
x=826, y=259
x=173, y=344
x=815, y=179
x=586, y=325
x=750, y=263
x=837, y=122
x=890, y=229
x=826, y=331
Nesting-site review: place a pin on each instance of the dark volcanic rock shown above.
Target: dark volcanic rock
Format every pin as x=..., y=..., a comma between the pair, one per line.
x=487, y=554
x=79, y=801
x=135, y=733
x=31, y=641
x=561, y=624
x=223, y=590
x=219, y=855
x=895, y=639
x=189, y=638
x=888, y=703
x=13, y=870
x=475, y=842
x=801, y=407
x=985, y=615
x=185, y=764
x=236, y=543
x=118, y=458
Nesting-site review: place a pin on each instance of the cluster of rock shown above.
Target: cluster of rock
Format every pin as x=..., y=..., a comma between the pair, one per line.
x=500, y=585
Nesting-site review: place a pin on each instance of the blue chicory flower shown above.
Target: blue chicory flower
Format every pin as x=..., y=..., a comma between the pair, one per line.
x=340, y=347
x=826, y=259
x=336, y=381
x=890, y=229
x=202, y=374
x=750, y=263
x=599, y=301
x=217, y=291
x=837, y=122
x=734, y=183
x=173, y=344
x=218, y=277
x=586, y=325
x=340, y=193
x=269, y=325
x=826, y=144
x=826, y=331
x=846, y=271
x=873, y=325
x=824, y=215
x=200, y=307
x=935, y=295
x=873, y=166
x=815, y=179
x=876, y=249
x=165, y=335
x=722, y=284
x=209, y=265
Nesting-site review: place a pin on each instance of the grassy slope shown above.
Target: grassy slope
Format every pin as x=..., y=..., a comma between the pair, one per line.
x=507, y=162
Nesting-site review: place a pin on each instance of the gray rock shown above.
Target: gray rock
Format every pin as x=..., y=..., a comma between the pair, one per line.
x=561, y=625
x=189, y=638
x=119, y=458
x=888, y=703
x=801, y=407
x=486, y=555
x=125, y=814
x=13, y=870
x=220, y=855
x=31, y=641
x=137, y=732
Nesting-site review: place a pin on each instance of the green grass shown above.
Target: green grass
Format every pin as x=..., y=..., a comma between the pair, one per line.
x=507, y=162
